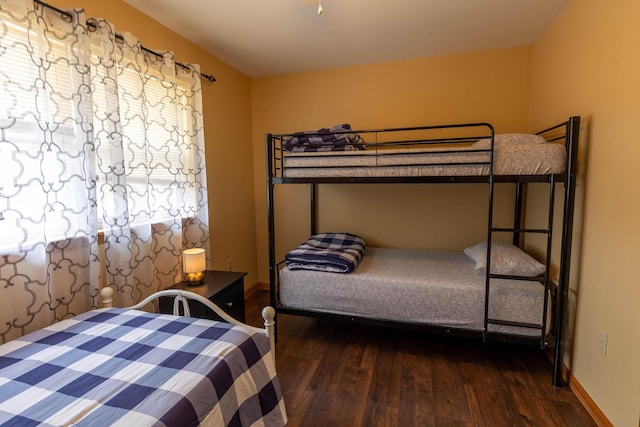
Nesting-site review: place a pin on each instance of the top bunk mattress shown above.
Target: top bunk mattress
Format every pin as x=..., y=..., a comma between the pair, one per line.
x=536, y=158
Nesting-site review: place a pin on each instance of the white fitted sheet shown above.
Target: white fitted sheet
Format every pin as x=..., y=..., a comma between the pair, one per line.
x=417, y=286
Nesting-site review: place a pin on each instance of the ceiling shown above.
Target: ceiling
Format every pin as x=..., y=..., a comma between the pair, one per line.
x=270, y=37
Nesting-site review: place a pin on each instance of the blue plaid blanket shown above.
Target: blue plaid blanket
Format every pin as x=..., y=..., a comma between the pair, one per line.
x=335, y=138
x=330, y=252
x=132, y=368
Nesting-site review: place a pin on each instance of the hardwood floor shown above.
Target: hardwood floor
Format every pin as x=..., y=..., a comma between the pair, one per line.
x=341, y=374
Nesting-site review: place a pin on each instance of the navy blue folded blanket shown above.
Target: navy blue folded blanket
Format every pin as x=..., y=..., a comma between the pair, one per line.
x=336, y=138
x=330, y=252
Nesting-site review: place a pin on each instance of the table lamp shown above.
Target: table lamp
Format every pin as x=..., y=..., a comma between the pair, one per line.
x=194, y=263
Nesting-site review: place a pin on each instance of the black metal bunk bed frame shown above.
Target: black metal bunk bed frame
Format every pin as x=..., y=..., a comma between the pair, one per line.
x=567, y=131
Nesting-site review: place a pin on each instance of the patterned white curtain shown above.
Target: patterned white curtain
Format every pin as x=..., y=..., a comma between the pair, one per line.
x=151, y=166
x=48, y=229
x=95, y=133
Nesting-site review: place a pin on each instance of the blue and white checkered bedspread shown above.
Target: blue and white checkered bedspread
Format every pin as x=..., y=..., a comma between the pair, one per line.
x=330, y=252
x=120, y=367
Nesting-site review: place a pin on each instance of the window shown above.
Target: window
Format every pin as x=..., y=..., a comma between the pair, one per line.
x=144, y=132
x=42, y=144
x=147, y=145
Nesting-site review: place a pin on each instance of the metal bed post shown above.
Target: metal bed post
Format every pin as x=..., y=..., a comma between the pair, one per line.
x=517, y=216
x=485, y=333
x=271, y=221
x=313, y=206
x=547, y=273
x=571, y=139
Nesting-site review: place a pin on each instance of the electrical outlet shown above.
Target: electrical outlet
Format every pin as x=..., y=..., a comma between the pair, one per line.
x=602, y=343
x=229, y=265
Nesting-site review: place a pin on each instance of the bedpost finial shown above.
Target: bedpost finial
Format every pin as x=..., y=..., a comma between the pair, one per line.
x=268, y=314
x=107, y=293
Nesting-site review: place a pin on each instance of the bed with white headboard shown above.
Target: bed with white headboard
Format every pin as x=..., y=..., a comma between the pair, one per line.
x=125, y=366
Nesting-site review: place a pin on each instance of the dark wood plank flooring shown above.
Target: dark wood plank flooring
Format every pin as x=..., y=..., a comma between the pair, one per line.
x=342, y=374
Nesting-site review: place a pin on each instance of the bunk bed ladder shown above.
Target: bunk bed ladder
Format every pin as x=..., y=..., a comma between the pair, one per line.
x=517, y=231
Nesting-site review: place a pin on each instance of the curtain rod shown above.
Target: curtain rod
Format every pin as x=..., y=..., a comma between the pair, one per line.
x=209, y=77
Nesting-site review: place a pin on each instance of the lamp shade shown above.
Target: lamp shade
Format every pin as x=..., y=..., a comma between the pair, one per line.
x=194, y=260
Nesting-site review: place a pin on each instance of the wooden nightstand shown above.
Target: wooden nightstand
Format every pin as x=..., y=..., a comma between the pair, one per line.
x=223, y=288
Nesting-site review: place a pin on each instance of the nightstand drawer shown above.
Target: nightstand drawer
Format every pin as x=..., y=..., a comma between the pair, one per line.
x=223, y=288
x=232, y=302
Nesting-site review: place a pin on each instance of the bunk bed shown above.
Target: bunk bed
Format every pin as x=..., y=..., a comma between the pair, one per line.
x=432, y=290
x=125, y=366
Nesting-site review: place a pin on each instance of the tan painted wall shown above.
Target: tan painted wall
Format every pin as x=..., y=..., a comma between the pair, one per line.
x=588, y=64
x=227, y=122
x=488, y=86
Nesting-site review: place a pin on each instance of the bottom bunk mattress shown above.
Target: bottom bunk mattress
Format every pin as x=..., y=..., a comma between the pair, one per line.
x=131, y=368
x=427, y=287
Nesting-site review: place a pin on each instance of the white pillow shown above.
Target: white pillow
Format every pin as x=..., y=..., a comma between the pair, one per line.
x=505, y=259
x=509, y=138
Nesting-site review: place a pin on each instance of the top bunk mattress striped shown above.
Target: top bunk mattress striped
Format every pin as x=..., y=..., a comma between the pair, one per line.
x=538, y=158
